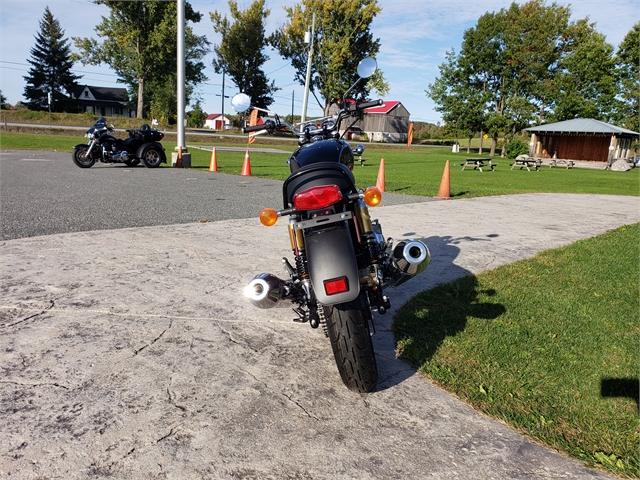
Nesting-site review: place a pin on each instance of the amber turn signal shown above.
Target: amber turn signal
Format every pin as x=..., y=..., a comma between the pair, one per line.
x=268, y=217
x=372, y=196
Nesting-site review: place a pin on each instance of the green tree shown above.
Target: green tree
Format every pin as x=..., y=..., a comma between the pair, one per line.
x=140, y=46
x=628, y=65
x=196, y=117
x=586, y=85
x=462, y=106
x=241, y=50
x=512, y=57
x=342, y=39
x=524, y=64
x=50, y=71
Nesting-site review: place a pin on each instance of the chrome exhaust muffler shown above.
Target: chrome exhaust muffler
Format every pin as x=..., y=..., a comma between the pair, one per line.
x=408, y=259
x=265, y=290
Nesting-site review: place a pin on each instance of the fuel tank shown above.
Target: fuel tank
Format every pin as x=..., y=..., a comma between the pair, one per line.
x=333, y=150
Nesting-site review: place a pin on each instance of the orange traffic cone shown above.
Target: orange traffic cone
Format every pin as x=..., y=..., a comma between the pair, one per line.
x=445, y=187
x=213, y=164
x=179, y=159
x=246, y=167
x=380, y=181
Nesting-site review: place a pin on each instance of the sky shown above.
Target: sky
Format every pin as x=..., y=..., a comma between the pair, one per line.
x=414, y=37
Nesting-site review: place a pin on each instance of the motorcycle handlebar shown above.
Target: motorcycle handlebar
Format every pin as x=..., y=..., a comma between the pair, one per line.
x=256, y=128
x=374, y=103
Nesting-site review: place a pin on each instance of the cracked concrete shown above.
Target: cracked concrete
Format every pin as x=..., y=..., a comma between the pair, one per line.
x=132, y=354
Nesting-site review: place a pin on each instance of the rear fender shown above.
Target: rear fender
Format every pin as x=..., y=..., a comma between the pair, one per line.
x=330, y=256
x=149, y=145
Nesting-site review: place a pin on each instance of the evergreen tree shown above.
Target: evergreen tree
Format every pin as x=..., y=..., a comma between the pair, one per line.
x=3, y=101
x=50, y=71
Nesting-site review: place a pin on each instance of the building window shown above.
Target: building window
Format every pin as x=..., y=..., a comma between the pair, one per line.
x=86, y=94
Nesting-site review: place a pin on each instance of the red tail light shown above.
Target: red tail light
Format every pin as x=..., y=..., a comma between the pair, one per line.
x=337, y=285
x=317, y=197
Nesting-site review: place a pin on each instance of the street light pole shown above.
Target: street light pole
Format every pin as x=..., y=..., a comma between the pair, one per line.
x=185, y=160
x=305, y=99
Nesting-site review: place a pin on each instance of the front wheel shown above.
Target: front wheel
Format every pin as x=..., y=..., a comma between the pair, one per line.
x=82, y=157
x=153, y=157
x=352, y=346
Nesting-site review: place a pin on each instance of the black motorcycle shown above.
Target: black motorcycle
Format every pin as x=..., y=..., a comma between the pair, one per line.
x=342, y=261
x=142, y=144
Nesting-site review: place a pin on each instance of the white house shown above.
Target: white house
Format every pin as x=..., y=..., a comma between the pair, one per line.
x=105, y=101
x=216, y=121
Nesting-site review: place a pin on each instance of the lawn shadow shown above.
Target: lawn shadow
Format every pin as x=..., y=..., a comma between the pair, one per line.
x=460, y=194
x=431, y=307
x=620, y=387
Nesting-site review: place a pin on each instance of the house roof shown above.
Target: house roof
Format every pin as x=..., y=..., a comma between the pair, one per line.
x=108, y=94
x=385, y=108
x=581, y=125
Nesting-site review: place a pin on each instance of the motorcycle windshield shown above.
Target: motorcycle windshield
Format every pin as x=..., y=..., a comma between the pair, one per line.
x=100, y=124
x=337, y=151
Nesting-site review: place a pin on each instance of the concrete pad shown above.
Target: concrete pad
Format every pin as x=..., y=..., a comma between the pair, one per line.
x=132, y=354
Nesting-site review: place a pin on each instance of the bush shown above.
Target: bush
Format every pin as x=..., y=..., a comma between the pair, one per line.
x=516, y=146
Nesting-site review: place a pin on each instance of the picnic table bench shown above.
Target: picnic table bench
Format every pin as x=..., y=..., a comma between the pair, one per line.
x=478, y=163
x=524, y=161
x=555, y=162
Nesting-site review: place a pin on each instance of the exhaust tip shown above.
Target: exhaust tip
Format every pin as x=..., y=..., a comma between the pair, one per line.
x=409, y=258
x=264, y=291
x=415, y=252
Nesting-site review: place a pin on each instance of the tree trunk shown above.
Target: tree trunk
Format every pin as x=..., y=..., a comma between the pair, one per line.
x=140, y=111
x=481, y=138
x=469, y=145
x=494, y=141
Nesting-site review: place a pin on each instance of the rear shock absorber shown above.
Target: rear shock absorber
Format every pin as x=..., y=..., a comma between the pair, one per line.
x=366, y=230
x=296, y=237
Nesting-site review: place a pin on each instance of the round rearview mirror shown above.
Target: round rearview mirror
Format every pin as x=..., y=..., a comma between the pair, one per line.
x=241, y=102
x=367, y=67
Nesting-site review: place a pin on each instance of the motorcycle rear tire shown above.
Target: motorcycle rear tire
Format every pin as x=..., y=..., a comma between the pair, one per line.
x=352, y=346
x=80, y=157
x=153, y=157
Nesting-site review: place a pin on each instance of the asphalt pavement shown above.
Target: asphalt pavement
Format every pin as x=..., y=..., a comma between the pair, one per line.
x=130, y=352
x=43, y=193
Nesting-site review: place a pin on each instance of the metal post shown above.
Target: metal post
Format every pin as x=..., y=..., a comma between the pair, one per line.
x=305, y=100
x=181, y=74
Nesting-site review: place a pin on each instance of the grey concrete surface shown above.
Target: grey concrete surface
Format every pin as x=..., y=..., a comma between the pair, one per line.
x=131, y=354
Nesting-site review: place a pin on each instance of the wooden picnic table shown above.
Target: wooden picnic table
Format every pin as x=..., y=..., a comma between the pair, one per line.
x=555, y=162
x=524, y=161
x=478, y=163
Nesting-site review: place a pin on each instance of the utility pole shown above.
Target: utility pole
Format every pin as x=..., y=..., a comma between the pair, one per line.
x=293, y=99
x=223, y=72
x=305, y=100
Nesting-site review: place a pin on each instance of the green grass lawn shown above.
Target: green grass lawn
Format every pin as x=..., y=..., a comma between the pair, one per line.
x=548, y=345
x=417, y=171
